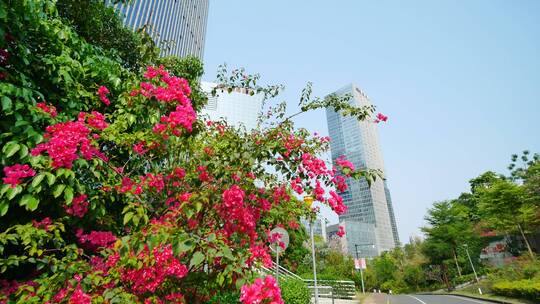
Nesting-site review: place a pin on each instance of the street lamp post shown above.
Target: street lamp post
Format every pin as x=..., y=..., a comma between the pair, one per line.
x=357, y=257
x=309, y=200
x=472, y=266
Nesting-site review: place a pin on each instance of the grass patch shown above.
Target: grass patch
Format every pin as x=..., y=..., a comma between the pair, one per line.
x=489, y=296
x=362, y=296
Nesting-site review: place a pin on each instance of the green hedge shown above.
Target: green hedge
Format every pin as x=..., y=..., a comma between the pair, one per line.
x=528, y=289
x=295, y=292
x=225, y=297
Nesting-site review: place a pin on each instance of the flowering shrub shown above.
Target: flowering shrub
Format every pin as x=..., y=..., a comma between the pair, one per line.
x=14, y=174
x=134, y=198
x=261, y=291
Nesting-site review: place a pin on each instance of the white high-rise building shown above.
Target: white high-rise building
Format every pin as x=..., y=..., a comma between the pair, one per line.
x=367, y=206
x=238, y=107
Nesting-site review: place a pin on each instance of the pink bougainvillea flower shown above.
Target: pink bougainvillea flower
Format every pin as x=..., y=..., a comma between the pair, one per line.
x=261, y=291
x=78, y=207
x=49, y=109
x=4, y=56
x=139, y=148
x=95, y=120
x=296, y=185
x=339, y=182
x=381, y=118
x=65, y=141
x=341, y=231
x=293, y=225
x=336, y=203
x=102, y=92
x=157, y=266
x=79, y=296
x=259, y=252
x=343, y=163
x=96, y=239
x=43, y=224
x=14, y=174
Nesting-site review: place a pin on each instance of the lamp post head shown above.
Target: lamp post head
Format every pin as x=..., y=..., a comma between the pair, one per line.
x=308, y=200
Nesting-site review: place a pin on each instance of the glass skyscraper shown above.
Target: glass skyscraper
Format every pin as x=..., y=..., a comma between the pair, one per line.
x=238, y=107
x=177, y=27
x=367, y=206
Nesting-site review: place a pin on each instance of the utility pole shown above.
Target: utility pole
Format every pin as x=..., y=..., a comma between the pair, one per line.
x=472, y=266
x=314, y=264
x=358, y=258
x=309, y=200
x=361, y=272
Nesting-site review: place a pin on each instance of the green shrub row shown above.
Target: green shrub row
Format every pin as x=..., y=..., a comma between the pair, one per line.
x=294, y=292
x=528, y=289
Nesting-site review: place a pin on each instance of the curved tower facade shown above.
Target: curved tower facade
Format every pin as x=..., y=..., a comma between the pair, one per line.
x=358, y=141
x=177, y=27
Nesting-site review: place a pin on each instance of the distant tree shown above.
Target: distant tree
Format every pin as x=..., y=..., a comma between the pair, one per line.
x=414, y=276
x=504, y=207
x=520, y=164
x=532, y=183
x=385, y=268
x=449, y=229
x=526, y=170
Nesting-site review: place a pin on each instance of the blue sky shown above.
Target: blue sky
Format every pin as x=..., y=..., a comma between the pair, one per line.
x=460, y=80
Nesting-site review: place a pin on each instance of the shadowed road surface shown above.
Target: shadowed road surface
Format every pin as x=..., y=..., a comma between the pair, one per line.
x=423, y=299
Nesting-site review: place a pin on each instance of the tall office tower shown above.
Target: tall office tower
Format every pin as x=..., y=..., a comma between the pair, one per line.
x=238, y=107
x=358, y=237
x=319, y=227
x=358, y=142
x=178, y=27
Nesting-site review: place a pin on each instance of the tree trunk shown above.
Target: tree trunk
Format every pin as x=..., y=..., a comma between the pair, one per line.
x=445, y=278
x=526, y=241
x=455, y=260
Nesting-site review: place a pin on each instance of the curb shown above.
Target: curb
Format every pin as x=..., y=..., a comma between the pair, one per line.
x=470, y=297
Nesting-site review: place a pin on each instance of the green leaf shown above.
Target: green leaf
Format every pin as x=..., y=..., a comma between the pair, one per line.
x=19, y=123
x=10, y=148
x=68, y=194
x=6, y=103
x=58, y=190
x=12, y=192
x=184, y=246
x=32, y=204
x=196, y=260
x=29, y=201
x=50, y=178
x=5, y=187
x=38, y=179
x=4, y=206
x=226, y=252
x=24, y=151
x=127, y=217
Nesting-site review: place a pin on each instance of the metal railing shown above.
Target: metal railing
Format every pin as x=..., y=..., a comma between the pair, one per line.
x=324, y=292
x=283, y=272
x=340, y=289
x=336, y=289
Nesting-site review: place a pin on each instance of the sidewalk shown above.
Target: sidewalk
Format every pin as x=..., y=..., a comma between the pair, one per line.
x=336, y=301
x=375, y=298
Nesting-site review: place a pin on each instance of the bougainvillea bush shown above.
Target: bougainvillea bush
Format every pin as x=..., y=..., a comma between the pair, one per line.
x=128, y=195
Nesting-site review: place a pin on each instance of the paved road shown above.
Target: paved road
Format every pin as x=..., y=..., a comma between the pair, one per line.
x=424, y=299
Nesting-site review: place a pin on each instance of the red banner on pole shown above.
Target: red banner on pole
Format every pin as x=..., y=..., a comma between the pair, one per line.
x=360, y=263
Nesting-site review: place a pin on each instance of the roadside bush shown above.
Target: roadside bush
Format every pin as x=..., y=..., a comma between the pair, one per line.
x=294, y=292
x=528, y=289
x=230, y=297
x=520, y=269
x=463, y=279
